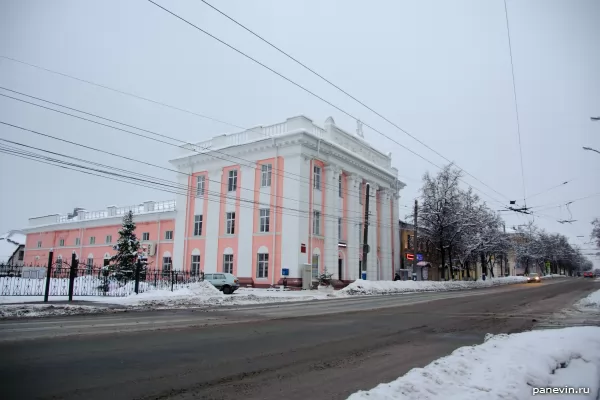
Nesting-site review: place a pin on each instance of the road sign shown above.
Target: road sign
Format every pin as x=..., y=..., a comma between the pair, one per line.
x=410, y=256
x=419, y=257
x=285, y=272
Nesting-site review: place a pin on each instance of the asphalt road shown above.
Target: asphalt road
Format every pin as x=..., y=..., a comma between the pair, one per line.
x=316, y=350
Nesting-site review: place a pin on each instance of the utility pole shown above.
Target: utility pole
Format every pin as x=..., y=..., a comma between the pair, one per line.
x=365, y=248
x=414, y=261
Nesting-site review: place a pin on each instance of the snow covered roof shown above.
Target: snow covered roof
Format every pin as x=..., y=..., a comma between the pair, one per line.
x=9, y=243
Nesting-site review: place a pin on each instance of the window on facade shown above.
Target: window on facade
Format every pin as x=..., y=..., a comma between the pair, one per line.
x=360, y=193
x=92, y=239
x=315, y=266
x=262, y=266
x=232, y=181
x=58, y=266
x=21, y=255
x=339, y=228
x=316, y=223
x=61, y=242
x=200, y=181
x=340, y=186
x=197, y=225
x=264, y=219
x=228, y=263
x=90, y=263
x=168, y=235
x=230, y=227
x=317, y=177
x=146, y=236
x=77, y=241
x=39, y=243
x=266, y=175
x=108, y=239
x=167, y=264
x=195, y=265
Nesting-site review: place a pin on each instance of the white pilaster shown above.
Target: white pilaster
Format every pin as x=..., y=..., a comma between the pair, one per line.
x=212, y=221
x=384, y=233
x=372, y=270
x=246, y=223
x=293, y=223
x=396, y=231
x=352, y=224
x=330, y=213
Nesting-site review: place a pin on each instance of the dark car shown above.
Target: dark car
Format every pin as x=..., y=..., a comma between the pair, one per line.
x=533, y=278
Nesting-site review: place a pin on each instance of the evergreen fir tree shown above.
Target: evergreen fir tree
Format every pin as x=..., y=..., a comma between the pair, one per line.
x=123, y=263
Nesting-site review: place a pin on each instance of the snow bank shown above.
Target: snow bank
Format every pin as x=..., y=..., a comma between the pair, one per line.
x=505, y=367
x=361, y=287
x=591, y=302
x=46, y=310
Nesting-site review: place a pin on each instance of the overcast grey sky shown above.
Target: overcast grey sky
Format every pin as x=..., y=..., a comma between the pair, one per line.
x=439, y=69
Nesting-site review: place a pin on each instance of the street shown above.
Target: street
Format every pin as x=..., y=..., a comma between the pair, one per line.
x=317, y=350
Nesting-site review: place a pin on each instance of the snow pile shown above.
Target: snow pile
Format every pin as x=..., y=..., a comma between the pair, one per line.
x=361, y=287
x=505, y=367
x=591, y=302
x=46, y=310
x=551, y=276
x=198, y=292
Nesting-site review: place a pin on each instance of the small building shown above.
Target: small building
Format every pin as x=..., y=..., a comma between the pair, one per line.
x=12, y=253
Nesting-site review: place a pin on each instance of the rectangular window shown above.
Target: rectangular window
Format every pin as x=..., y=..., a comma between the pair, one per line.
x=61, y=242
x=21, y=255
x=195, y=265
x=200, y=180
x=77, y=241
x=232, y=181
x=197, y=225
x=39, y=243
x=168, y=235
x=264, y=219
x=360, y=193
x=230, y=227
x=167, y=264
x=228, y=263
x=262, y=267
x=108, y=239
x=90, y=262
x=146, y=236
x=339, y=228
x=92, y=239
x=317, y=177
x=316, y=223
x=340, y=186
x=266, y=175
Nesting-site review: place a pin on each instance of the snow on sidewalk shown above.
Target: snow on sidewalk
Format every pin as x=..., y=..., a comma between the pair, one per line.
x=505, y=367
x=361, y=287
x=590, y=303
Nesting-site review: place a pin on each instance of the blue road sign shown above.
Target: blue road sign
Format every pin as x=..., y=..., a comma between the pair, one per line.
x=285, y=271
x=419, y=257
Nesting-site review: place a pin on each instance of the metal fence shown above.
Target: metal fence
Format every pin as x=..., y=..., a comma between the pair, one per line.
x=86, y=280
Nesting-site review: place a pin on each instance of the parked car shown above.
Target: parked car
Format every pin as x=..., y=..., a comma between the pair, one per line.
x=588, y=274
x=533, y=278
x=227, y=283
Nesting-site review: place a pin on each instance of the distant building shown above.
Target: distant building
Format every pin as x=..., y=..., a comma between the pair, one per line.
x=12, y=248
x=284, y=196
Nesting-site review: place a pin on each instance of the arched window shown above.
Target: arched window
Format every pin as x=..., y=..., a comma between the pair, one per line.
x=228, y=260
x=262, y=262
x=106, y=259
x=316, y=258
x=195, y=265
x=58, y=266
x=90, y=262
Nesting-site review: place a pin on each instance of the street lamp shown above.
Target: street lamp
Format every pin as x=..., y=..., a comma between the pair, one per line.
x=589, y=148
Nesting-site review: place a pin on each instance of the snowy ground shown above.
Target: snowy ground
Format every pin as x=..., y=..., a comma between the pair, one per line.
x=590, y=303
x=203, y=294
x=362, y=288
x=505, y=367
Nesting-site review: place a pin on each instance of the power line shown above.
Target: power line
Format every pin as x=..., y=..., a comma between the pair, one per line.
x=549, y=189
x=306, y=90
x=146, y=183
x=343, y=91
x=512, y=69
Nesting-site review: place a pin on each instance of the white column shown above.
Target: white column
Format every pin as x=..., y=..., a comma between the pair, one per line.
x=384, y=236
x=396, y=237
x=245, y=226
x=330, y=219
x=212, y=221
x=352, y=224
x=372, y=256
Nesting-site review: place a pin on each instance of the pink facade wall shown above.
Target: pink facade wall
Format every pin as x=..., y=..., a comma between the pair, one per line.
x=51, y=239
x=192, y=242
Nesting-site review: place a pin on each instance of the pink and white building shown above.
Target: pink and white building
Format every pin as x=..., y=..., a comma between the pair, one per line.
x=286, y=196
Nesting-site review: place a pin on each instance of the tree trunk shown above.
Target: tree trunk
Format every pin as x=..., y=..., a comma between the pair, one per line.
x=468, y=267
x=526, y=267
x=483, y=263
x=492, y=271
x=443, y=261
